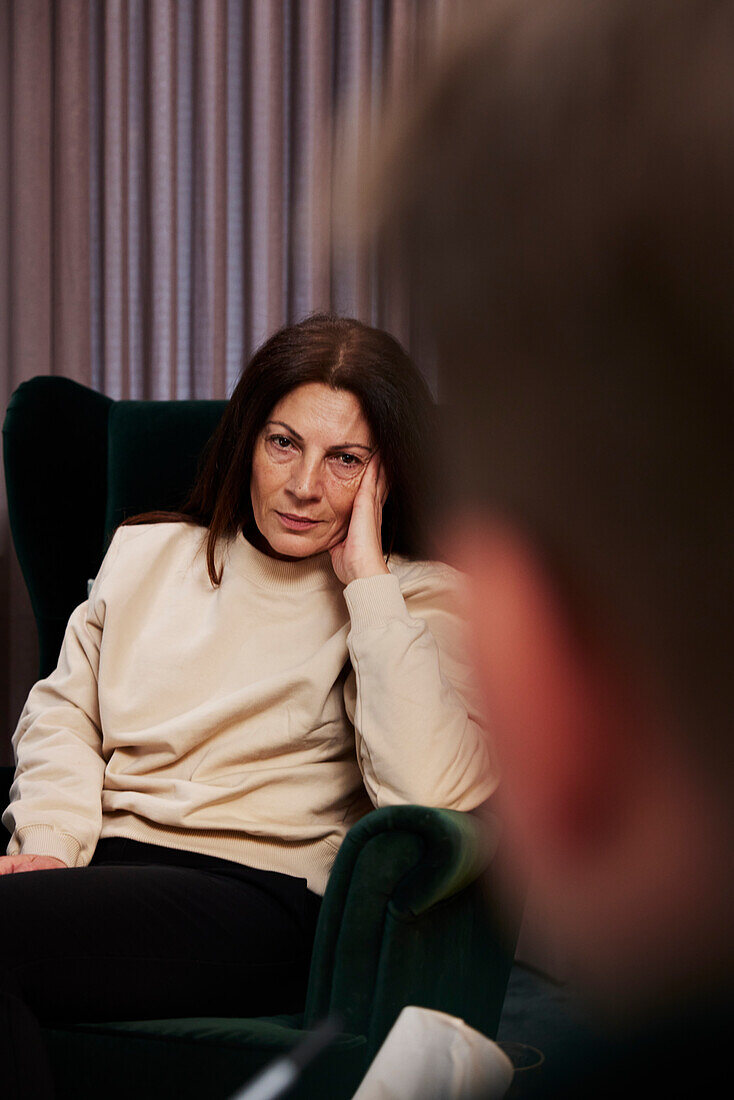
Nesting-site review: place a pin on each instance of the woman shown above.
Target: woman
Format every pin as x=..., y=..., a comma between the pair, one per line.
x=247, y=678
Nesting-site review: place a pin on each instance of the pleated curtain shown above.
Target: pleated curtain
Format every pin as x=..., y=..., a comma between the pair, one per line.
x=166, y=187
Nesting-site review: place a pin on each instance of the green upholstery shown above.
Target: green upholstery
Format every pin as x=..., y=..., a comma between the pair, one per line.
x=403, y=890
x=408, y=916
x=152, y=452
x=55, y=453
x=191, y=1059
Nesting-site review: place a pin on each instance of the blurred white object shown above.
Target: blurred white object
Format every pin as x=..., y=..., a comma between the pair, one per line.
x=430, y=1055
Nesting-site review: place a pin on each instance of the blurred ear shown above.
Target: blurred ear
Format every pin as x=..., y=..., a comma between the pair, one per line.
x=550, y=703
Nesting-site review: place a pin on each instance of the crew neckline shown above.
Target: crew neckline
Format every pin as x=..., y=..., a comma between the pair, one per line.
x=315, y=571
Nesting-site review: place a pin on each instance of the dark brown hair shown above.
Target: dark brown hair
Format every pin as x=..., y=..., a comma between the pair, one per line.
x=560, y=198
x=345, y=354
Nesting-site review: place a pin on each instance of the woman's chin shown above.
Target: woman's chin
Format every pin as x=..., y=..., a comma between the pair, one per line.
x=295, y=545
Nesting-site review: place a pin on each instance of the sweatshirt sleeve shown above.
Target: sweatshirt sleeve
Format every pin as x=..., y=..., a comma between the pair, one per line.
x=411, y=696
x=55, y=804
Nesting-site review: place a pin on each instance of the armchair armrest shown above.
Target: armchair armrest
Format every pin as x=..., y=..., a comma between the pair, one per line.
x=408, y=918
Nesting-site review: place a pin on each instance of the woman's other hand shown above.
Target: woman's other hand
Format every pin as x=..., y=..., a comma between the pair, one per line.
x=13, y=865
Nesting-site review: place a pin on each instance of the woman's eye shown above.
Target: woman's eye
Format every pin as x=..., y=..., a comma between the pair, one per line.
x=344, y=461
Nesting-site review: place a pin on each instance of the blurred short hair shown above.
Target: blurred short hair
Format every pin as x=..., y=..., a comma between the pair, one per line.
x=560, y=200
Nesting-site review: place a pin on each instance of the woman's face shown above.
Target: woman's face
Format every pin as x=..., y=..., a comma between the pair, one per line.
x=308, y=461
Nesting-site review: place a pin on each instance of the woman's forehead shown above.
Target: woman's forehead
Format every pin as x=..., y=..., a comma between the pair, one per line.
x=315, y=409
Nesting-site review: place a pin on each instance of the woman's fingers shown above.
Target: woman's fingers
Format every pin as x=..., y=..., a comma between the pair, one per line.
x=15, y=865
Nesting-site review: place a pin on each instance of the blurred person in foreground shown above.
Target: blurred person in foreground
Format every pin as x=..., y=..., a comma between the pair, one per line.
x=560, y=199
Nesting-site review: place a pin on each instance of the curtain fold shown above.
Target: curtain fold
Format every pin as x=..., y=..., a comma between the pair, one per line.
x=166, y=187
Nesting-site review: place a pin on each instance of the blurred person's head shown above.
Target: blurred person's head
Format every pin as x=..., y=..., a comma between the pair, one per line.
x=561, y=201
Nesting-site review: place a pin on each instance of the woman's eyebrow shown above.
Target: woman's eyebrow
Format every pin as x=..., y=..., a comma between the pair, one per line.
x=299, y=438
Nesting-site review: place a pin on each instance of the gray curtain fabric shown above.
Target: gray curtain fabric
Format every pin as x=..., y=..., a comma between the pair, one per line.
x=211, y=129
x=166, y=187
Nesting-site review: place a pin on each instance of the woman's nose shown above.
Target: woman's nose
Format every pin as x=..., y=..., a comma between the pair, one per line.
x=306, y=479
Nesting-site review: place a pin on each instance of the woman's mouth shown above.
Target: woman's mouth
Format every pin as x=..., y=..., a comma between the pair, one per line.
x=295, y=523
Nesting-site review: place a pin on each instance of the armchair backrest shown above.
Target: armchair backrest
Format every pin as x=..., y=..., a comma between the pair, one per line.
x=76, y=463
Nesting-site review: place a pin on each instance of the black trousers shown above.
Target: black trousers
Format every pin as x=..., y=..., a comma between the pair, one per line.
x=144, y=932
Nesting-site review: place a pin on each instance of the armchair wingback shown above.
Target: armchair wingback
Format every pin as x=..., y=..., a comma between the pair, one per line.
x=409, y=915
x=76, y=463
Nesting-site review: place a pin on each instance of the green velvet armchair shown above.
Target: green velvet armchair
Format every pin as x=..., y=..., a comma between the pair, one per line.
x=409, y=915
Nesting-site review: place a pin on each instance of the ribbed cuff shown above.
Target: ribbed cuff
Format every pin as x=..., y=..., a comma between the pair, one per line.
x=373, y=601
x=44, y=840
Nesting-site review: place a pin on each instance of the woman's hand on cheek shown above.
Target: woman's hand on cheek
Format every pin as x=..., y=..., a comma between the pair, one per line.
x=359, y=554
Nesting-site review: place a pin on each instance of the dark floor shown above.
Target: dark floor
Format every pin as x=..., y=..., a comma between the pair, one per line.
x=538, y=1017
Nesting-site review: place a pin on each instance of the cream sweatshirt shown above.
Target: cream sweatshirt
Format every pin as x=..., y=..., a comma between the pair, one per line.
x=256, y=721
